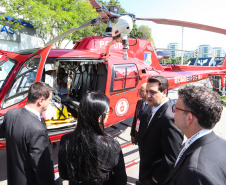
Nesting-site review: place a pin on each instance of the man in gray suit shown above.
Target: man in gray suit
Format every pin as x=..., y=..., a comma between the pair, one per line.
x=202, y=160
x=29, y=156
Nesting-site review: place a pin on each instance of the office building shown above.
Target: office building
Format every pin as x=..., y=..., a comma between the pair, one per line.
x=205, y=51
x=218, y=52
x=188, y=55
x=25, y=38
x=173, y=50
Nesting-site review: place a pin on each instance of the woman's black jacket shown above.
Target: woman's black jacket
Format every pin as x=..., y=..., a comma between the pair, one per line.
x=109, y=156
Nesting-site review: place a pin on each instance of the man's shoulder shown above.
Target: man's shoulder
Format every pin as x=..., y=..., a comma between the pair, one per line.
x=30, y=121
x=210, y=151
x=10, y=114
x=139, y=101
x=215, y=146
x=210, y=159
x=166, y=110
x=13, y=111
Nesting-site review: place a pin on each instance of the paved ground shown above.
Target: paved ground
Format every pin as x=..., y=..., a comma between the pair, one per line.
x=123, y=136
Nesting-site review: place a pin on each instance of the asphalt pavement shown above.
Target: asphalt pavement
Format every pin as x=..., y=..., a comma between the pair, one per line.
x=121, y=132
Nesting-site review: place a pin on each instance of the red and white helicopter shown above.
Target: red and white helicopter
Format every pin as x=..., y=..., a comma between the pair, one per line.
x=113, y=64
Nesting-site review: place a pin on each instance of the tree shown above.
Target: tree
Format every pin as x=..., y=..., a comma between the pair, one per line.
x=146, y=33
x=135, y=33
x=51, y=17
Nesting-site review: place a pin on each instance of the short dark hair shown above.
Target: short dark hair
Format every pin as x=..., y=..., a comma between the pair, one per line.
x=163, y=82
x=38, y=90
x=204, y=103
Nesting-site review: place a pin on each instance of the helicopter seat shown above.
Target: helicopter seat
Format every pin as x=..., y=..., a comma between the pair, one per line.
x=74, y=103
x=73, y=107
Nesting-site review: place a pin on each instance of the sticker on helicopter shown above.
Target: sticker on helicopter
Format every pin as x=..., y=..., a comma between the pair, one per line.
x=121, y=107
x=183, y=79
x=147, y=59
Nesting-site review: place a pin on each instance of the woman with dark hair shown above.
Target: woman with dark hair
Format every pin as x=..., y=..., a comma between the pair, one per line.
x=88, y=155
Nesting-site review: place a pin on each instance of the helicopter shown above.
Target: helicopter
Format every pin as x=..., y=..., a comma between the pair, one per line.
x=113, y=64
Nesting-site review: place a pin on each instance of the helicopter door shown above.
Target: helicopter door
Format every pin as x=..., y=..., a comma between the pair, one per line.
x=29, y=72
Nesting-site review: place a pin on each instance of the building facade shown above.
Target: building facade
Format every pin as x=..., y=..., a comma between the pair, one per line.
x=218, y=52
x=188, y=55
x=173, y=50
x=205, y=51
x=25, y=38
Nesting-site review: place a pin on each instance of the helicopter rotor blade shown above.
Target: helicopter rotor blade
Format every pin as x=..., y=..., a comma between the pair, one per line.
x=185, y=24
x=103, y=11
x=93, y=22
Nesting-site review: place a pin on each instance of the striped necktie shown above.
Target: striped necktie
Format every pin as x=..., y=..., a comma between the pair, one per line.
x=142, y=107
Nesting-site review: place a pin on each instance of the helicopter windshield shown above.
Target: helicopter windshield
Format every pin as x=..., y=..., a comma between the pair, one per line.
x=6, y=68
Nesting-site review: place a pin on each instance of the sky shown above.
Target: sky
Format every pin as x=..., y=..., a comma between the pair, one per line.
x=208, y=12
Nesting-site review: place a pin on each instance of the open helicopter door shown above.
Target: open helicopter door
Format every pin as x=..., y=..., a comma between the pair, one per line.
x=27, y=70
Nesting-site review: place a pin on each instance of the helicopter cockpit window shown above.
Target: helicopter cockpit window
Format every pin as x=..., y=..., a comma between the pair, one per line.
x=125, y=77
x=6, y=68
x=23, y=80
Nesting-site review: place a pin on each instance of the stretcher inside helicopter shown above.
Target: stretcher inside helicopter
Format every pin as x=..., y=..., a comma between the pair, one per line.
x=82, y=76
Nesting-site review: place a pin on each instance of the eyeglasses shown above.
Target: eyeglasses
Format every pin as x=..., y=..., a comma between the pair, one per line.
x=110, y=110
x=174, y=108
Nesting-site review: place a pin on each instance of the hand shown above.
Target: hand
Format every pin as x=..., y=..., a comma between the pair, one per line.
x=133, y=139
x=154, y=180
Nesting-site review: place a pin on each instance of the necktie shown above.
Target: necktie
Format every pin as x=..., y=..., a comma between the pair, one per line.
x=142, y=107
x=39, y=118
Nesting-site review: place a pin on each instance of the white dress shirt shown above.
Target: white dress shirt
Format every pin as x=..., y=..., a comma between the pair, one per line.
x=33, y=111
x=188, y=142
x=156, y=109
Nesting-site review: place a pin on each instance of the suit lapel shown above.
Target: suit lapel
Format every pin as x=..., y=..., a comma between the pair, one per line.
x=198, y=143
x=157, y=115
x=139, y=104
x=144, y=121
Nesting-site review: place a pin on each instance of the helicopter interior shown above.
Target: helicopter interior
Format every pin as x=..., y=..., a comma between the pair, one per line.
x=84, y=75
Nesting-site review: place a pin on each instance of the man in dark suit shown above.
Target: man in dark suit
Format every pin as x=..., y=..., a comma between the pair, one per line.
x=159, y=139
x=140, y=107
x=202, y=160
x=29, y=156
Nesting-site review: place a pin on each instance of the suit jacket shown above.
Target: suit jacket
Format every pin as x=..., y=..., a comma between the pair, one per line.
x=28, y=149
x=203, y=163
x=159, y=144
x=135, y=117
